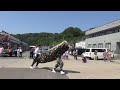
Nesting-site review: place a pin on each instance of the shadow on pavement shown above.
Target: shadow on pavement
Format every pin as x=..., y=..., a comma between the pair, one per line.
x=58, y=70
x=47, y=68
x=70, y=71
x=27, y=73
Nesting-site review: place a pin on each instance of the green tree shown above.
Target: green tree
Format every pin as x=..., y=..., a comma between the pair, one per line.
x=71, y=34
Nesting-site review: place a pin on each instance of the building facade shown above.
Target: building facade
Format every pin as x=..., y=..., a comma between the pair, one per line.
x=104, y=36
x=8, y=41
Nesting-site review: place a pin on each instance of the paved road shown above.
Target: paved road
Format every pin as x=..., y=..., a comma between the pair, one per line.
x=26, y=73
x=18, y=68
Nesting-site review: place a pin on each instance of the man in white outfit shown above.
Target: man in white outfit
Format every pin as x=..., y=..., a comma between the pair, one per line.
x=36, y=54
x=37, y=51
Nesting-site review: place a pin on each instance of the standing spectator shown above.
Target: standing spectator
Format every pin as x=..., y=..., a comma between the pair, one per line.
x=95, y=55
x=9, y=51
x=109, y=55
x=20, y=50
x=75, y=52
x=31, y=52
x=15, y=52
x=1, y=49
x=63, y=56
x=104, y=55
x=66, y=55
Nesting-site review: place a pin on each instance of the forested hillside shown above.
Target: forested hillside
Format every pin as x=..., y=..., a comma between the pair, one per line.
x=70, y=34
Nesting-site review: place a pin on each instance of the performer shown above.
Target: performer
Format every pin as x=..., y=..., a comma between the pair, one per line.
x=36, y=55
x=60, y=64
x=53, y=54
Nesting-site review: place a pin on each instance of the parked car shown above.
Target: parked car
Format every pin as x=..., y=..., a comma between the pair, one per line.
x=89, y=53
x=44, y=50
x=7, y=52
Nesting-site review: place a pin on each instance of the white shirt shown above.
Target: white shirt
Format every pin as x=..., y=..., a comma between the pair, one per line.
x=37, y=50
x=19, y=50
x=1, y=49
x=66, y=53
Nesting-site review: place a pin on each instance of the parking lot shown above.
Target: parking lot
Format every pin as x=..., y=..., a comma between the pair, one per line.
x=12, y=67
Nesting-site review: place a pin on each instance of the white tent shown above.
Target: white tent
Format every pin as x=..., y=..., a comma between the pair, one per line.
x=80, y=44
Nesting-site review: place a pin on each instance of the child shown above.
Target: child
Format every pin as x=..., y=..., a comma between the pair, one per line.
x=104, y=55
x=109, y=55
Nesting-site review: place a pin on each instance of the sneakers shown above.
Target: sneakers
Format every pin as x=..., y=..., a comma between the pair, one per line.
x=53, y=71
x=62, y=72
x=36, y=67
x=31, y=67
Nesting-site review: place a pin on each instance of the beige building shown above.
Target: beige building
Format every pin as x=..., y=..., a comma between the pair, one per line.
x=104, y=36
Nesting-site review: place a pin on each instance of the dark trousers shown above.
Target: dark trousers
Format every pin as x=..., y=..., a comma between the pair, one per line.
x=75, y=57
x=15, y=53
x=20, y=54
x=31, y=55
x=10, y=54
x=35, y=60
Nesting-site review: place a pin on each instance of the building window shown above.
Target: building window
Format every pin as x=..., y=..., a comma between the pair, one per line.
x=108, y=45
x=94, y=46
x=100, y=45
x=113, y=31
x=89, y=45
x=105, y=32
x=116, y=30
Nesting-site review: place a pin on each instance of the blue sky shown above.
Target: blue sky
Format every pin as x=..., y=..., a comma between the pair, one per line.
x=19, y=22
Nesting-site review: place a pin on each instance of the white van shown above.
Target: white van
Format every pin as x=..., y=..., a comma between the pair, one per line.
x=89, y=53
